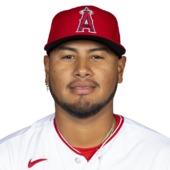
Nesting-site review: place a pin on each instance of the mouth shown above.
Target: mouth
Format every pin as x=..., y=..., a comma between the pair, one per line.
x=82, y=90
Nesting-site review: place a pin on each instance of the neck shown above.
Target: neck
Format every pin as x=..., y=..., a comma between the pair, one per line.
x=85, y=133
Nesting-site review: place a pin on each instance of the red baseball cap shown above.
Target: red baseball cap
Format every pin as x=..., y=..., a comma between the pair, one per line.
x=85, y=23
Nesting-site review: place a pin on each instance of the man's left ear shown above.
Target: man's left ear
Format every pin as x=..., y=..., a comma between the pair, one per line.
x=121, y=67
x=125, y=61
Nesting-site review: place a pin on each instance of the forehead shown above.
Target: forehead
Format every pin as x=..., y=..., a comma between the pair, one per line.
x=86, y=44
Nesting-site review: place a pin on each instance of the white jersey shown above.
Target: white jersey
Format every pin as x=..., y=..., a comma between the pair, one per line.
x=132, y=146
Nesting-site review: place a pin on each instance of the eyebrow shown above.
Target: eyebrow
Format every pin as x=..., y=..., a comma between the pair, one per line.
x=90, y=50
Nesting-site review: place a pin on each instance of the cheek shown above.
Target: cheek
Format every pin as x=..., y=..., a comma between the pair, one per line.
x=58, y=79
x=54, y=76
x=108, y=79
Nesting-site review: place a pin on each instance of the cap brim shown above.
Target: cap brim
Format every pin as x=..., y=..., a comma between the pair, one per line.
x=118, y=49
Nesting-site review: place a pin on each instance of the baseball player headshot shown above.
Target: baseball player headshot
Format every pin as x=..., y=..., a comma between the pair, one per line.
x=84, y=64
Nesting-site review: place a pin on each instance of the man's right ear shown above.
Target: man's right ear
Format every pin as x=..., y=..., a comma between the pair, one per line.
x=46, y=67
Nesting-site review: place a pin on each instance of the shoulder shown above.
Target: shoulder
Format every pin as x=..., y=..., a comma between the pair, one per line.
x=141, y=145
x=37, y=126
x=137, y=132
x=18, y=146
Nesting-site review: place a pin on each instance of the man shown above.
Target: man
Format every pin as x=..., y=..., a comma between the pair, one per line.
x=83, y=67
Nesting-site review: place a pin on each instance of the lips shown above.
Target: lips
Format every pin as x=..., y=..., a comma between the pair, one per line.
x=82, y=85
x=82, y=90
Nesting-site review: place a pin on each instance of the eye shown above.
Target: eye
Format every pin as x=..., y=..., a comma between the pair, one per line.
x=96, y=56
x=67, y=56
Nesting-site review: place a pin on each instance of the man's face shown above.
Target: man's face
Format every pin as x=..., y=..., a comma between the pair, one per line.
x=82, y=76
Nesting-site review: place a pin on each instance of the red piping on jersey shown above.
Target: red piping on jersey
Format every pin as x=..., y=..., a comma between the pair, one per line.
x=119, y=123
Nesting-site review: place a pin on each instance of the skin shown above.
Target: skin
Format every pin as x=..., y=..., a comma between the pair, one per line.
x=81, y=64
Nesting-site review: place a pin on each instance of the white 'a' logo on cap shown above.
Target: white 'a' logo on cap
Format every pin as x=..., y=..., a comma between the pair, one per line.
x=86, y=21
